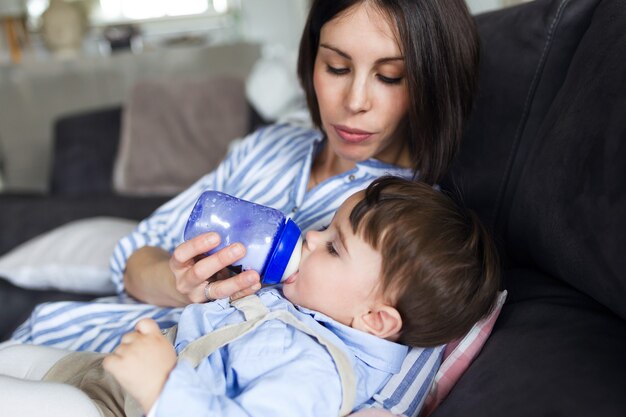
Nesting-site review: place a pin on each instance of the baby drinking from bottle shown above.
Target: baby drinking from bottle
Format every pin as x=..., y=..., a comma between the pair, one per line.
x=400, y=265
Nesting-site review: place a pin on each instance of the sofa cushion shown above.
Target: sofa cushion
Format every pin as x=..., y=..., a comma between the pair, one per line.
x=176, y=130
x=73, y=257
x=525, y=53
x=553, y=352
x=566, y=213
x=85, y=145
x=543, y=160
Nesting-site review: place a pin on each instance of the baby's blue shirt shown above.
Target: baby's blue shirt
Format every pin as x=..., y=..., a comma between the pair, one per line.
x=275, y=370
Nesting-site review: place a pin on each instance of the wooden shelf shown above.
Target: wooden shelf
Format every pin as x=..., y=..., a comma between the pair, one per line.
x=15, y=36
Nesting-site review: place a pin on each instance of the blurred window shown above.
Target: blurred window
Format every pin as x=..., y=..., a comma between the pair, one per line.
x=104, y=12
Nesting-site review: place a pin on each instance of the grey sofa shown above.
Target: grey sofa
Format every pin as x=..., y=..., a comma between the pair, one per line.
x=543, y=162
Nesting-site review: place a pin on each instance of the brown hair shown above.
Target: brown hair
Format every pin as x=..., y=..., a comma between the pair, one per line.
x=439, y=41
x=440, y=268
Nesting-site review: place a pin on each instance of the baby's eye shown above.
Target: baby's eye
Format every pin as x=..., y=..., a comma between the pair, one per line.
x=331, y=249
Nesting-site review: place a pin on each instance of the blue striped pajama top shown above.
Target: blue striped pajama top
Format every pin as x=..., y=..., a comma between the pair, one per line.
x=270, y=166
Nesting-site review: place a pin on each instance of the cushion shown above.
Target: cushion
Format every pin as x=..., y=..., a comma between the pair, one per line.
x=553, y=352
x=565, y=215
x=543, y=158
x=85, y=145
x=458, y=356
x=73, y=257
x=175, y=131
x=405, y=394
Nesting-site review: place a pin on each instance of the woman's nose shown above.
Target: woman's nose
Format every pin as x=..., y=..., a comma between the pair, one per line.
x=358, y=99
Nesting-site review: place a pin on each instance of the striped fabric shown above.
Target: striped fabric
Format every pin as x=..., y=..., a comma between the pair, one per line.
x=406, y=392
x=270, y=167
x=459, y=355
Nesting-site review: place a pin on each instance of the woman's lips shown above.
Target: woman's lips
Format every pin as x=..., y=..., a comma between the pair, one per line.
x=352, y=135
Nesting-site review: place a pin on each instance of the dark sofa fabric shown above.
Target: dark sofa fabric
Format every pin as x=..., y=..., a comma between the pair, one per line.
x=24, y=216
x=85, y=146
x=544, y=163
x=17, y=304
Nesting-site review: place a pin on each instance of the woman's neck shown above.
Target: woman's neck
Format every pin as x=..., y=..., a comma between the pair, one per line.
x=327, y=164
x=396, y=155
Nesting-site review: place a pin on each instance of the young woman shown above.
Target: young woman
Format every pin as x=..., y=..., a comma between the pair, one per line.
x=388, y=83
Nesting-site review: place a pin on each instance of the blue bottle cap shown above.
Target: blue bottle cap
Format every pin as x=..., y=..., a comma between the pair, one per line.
x=278, y=260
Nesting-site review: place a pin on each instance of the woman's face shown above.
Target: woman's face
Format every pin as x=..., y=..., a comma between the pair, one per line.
x=359, y=79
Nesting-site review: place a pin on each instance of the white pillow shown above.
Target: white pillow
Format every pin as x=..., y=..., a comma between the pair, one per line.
x=73, y=257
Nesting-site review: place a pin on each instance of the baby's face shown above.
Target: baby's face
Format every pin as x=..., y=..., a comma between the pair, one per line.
x=339, y=272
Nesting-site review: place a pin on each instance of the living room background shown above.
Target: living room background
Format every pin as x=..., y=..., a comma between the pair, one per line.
x=43, y=75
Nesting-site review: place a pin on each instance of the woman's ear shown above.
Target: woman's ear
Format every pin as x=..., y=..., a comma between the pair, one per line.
x=383, y=321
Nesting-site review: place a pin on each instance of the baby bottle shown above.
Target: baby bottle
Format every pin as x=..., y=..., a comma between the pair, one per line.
x=273, y=243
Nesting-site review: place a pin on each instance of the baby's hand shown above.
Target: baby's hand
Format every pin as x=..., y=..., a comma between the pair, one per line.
x=142, y=362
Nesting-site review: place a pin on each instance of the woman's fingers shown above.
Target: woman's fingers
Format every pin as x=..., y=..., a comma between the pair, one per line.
x=246, y=283
x=211, y=265
x=191, y=274
x=189, y=250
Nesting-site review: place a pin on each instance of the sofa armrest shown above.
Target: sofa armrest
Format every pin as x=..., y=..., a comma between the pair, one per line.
x=24, y=216
x=17, y=303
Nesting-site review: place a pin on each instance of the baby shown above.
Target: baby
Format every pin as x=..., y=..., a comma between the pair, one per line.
x=400, y=265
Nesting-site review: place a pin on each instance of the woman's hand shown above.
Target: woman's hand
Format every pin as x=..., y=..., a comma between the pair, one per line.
x=193, y=272
x=152, y=276
x=142, y=362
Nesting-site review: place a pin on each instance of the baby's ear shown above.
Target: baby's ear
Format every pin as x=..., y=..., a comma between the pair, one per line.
x=383, y=321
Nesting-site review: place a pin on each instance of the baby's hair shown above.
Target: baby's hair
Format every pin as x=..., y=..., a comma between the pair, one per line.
x=440, y=268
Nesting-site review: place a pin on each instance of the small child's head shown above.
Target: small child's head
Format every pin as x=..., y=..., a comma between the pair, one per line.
x=401, y=261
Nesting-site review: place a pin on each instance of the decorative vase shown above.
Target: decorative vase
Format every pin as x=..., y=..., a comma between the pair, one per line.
x=63, y=27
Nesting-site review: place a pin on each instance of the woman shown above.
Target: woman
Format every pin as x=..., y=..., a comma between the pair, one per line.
x=388, y=83
x=393, y=110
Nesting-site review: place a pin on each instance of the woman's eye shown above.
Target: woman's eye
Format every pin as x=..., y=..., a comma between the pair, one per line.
x=336, y=71
x=331, y=249
x=390, y=80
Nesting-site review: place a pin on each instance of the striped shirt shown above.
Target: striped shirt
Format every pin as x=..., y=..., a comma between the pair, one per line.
x=270, y=167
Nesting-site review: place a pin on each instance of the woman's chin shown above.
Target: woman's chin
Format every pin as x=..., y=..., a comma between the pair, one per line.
x=352, y=152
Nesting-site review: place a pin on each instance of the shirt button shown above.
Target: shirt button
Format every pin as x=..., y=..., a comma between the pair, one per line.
x=295, y=209
x=351, y=177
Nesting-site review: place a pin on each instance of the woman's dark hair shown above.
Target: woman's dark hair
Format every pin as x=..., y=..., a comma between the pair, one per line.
x=439, y=41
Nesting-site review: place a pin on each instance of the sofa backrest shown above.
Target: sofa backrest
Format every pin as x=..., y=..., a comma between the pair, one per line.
x=543, y=160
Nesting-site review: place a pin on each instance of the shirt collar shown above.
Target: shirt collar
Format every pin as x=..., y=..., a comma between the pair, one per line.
x=378, y=353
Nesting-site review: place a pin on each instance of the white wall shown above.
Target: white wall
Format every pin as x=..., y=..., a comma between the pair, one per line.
x=34, y=94
x=274, y=21
x=480, y=6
